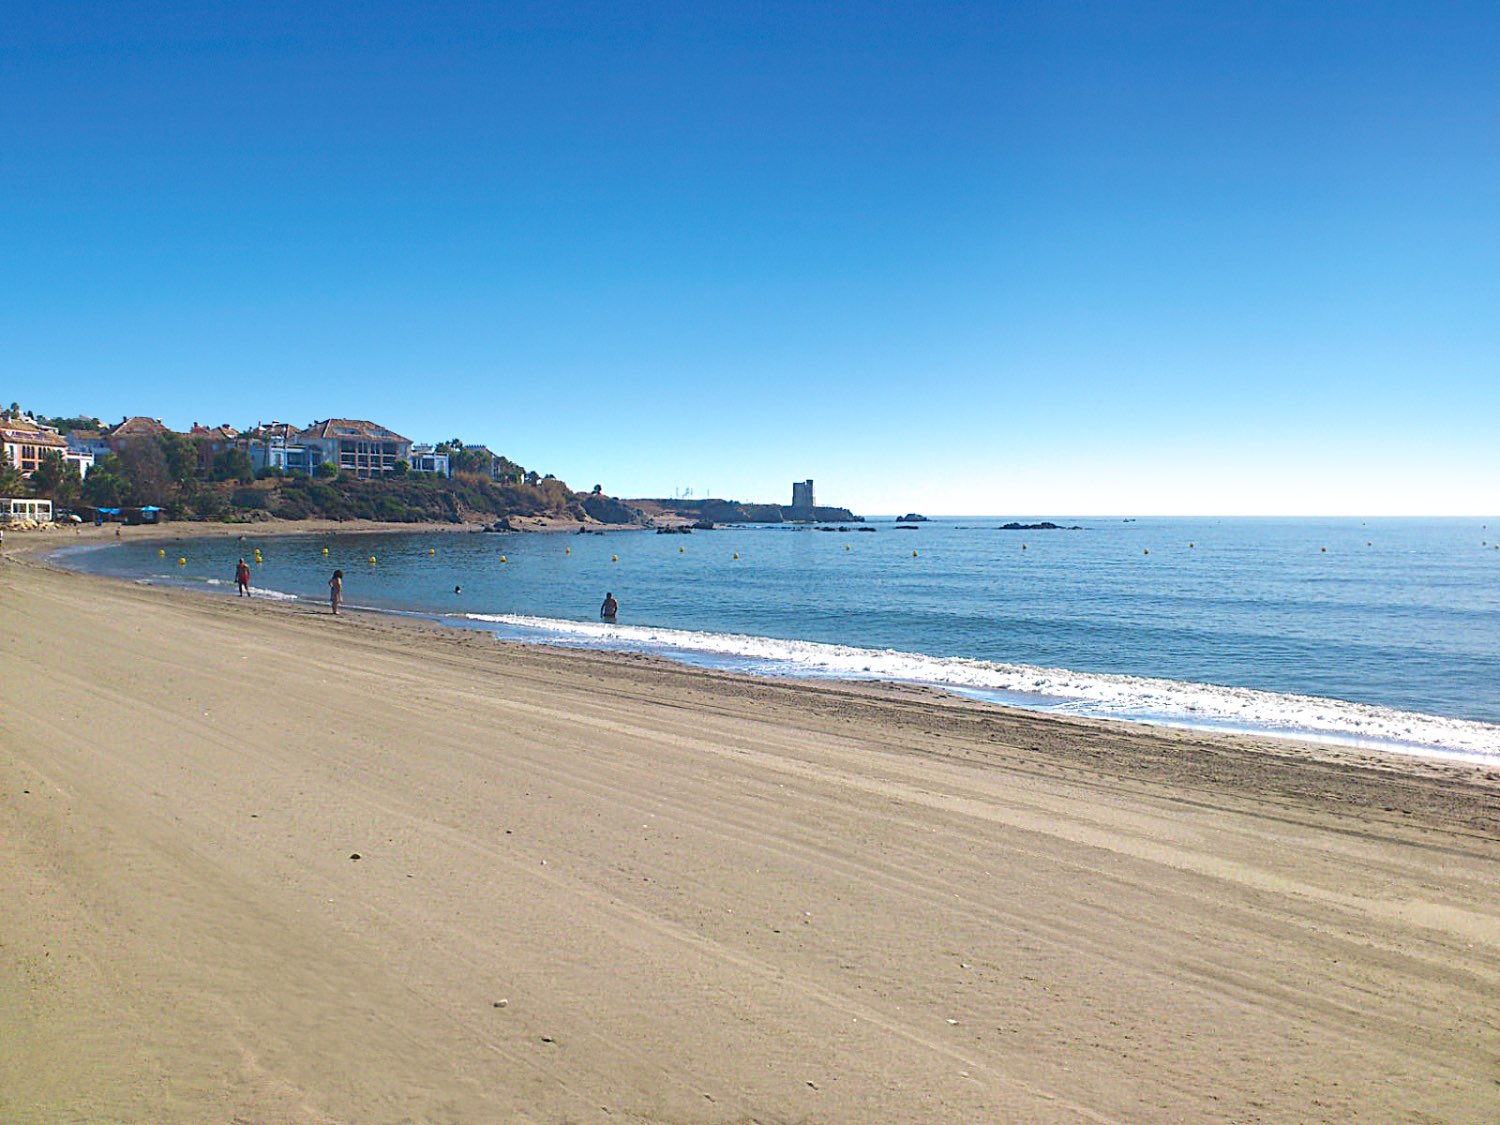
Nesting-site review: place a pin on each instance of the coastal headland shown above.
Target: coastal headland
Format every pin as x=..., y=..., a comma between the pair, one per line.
x=265, y=865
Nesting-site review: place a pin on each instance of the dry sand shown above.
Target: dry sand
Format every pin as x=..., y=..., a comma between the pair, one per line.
x=592, y=888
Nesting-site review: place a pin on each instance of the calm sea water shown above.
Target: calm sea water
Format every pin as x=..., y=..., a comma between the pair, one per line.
x=1378, y=632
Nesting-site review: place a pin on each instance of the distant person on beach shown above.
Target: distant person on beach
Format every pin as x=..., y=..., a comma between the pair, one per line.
x=242, y=579
x=336, y=590
x=609, y=608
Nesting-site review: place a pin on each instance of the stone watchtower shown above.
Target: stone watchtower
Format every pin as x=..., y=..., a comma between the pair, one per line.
x=802, y=496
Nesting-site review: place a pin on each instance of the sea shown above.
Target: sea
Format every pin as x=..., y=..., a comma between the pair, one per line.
x=1379, y=633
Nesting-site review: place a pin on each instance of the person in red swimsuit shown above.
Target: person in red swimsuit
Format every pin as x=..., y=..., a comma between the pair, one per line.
x=242, y=579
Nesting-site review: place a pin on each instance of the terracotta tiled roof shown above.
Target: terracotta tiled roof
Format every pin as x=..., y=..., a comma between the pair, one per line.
x=30, y=435
x=226, y=432
x=270, y=431
x=352, y=428
x=139, y=426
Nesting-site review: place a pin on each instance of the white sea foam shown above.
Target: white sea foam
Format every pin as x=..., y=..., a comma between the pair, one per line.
x=1139, y=698
x=267, y=594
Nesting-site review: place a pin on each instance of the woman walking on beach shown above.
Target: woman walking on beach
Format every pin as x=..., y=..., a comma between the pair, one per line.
x=336, y=590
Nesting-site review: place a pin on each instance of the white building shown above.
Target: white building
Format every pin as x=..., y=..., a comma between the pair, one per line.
x=356, y=446
x=24, y=444
x=424, y=459
x=20, y=509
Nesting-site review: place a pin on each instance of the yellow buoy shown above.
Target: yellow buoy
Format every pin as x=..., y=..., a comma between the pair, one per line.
x=736, y=554
x=182, y=562
x=567, y=550
x=161, y=553
x=432, y=550
x=502, y=558
x=259, y=561
x=914, y=554
x=846, y=546
x=1147, y=551
x=325, y=550
x=614, y=558
x=682, y=550
x=372, y=560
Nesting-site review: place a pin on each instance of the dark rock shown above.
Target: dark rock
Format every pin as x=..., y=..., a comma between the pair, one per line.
x=911, y=517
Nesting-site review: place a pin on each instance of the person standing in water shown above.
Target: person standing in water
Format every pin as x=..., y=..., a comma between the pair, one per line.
x=610, y=607
x=336, y=590
x=242, y=579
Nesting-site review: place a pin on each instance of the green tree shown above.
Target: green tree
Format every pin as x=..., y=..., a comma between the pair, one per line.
x=180, y=453
x=146, y=474
x=56, y=479
x=12, y=483
x=326, y=470
x=105, y=486
x=233, y=464
x=78, y=422
x=400, y=468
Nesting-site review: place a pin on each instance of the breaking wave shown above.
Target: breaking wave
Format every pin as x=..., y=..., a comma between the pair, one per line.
x=1055, y=690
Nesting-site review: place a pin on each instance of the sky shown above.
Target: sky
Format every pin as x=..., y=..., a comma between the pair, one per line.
x=1025, y=259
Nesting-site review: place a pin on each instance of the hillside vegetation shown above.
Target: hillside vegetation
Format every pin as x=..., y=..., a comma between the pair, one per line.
x=187, y=481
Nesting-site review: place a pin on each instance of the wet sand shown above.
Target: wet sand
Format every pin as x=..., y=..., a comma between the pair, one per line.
x=264, y=865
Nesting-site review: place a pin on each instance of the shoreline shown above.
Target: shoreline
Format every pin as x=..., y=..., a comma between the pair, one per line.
x=431, y=626
x=1453, y=739
x=274, y=865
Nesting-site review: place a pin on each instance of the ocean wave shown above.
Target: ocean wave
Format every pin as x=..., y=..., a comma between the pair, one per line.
x=267, y=594
x=1056, y=690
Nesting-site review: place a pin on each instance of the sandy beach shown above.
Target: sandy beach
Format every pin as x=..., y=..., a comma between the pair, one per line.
x=263, y=865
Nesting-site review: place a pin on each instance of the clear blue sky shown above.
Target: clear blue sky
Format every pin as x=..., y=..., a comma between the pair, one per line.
x=1014, y=258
